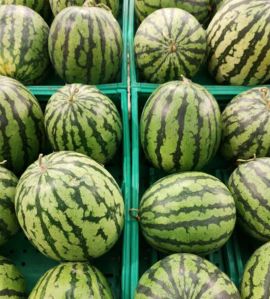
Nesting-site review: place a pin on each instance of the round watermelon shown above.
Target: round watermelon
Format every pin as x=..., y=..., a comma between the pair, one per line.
x=21, y=126
x=79, y=280
x=12, y=283
x=185, y=276
x=80, y=118
x=23, y=44
x=238, y=42
x=69, y=206
x=255, y=281
x=42, y=7
x=8, y=220
x=200, y=9
x=59, y=5
x=180, y=126
x=187, y=212
x=249, y=185
x=246, y=125
x=169, y=43
x=85, y=45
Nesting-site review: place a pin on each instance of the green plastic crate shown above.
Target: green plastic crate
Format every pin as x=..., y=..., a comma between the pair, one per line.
x=136, y=80
x=53, y=80
x=232, y=257
x=115, y=264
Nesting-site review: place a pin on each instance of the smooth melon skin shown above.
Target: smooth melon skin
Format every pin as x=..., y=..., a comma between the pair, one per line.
x=8, y=221
x=12, y=283
x=246, y=125
x=190, y=212
x=79, y=280
x=255, y=281
x=238, y=43
x=165, y=52
x=185, y=276
x=249, y=185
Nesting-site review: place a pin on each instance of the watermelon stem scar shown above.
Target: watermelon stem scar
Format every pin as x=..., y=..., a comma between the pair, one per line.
x=3, y=162
x=185, y=80
x=239, y=161
x=131, y=214
x=41, y=165
x=76, y=90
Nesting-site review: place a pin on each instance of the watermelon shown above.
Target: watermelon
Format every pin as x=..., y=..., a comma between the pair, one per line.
x=85, y=45
x=255, y=281
x=246, y=125
x=180, y=126
x=187, y=212
x=200, y=9
x=69, y=206
x=169, y=43
x=21, y=126
x=23, y=44
x=59, y=5
x=78, y=280
x=238, y=42
x=8, y=220
x=80, y=118
x=185, y=276
x=42, y=7
x=12, y=283
x=249, y=184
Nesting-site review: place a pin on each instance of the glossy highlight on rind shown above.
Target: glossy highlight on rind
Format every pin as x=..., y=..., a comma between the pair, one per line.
x=69, y=206
x=180, y=127
x=78, y=280
x=169, y=43
x=185, y=276
x=85, y=45
x=80, y=118
x=187, y=212
x=22, y=125
x=249, y=185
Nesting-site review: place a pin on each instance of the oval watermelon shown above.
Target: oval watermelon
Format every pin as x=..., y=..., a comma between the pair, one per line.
x=59, y=5
x=187, y=212
x=246, y=125
x=23, y=44
x=255, y=281
x=169, y=43
x=180, y=126
x=21, y=126
x=185, y=276
x=80, y=118
x=200, y=9
x=69, y=207
x=12, y=283
x=238, y=42
x=249, y=185
x=85, y=45
x=8, y=220
x=79, y=280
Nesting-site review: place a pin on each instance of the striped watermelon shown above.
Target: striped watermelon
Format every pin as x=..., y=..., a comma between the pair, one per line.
x=185, y=276
x=169, y=43
x=180, y=126
x=255, y=281
x=246, y=125
x=21, y=126
x=69, y=206
x=23, y=44
x=78, y=280
x=58, y=5
x=200, y=9
x=85, y=45
x=80, y=118
x=40, y=6
x=187, y=212
x=12, y=284
x=238, y=41
x=250, y=184
x=8, y=220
